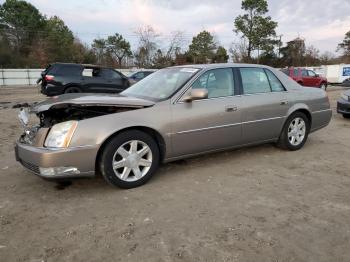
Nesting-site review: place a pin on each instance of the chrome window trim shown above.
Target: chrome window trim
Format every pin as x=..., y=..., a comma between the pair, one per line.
x=189, y=85
x=262, y=93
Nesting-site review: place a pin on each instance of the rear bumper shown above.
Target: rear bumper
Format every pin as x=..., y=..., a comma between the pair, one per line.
x=343, y=106
x=320, y=119
x=57, y=163
x=51, y=90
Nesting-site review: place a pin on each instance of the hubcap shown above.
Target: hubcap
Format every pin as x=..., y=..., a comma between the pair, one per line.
x=296, y=131
x=132, y=160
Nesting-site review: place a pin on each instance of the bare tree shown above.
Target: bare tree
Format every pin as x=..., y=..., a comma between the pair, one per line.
x=311, y=56
x=176, y=43
x=328, y=58
x=238, y=51
x=148, y=43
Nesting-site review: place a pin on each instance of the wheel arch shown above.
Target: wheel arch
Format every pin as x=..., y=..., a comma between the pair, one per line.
x=150, y=131
x=298, y=108
x=72, y=85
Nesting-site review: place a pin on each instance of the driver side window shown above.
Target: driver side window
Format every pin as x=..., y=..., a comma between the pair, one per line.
x=218, y=82
x=110, y=74
x=311, y=73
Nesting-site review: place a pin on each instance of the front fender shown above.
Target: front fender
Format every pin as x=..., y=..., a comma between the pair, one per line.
x=95, y=131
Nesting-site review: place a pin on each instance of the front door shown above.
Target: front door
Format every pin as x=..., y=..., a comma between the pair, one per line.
x=307, y=80
x=114, y=82
x=93, y=80
x=313, y=79
x=208, y=124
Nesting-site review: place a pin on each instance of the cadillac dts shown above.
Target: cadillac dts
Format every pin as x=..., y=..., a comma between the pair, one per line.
x=175, y=113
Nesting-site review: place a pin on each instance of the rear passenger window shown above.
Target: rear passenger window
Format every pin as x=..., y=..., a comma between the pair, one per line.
x=69, y=71
x=276, y=85
x=254, y=80
x=296, y=72
x=219, y=82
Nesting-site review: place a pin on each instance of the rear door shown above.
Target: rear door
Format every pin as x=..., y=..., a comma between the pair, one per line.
x=208, y=124
x=264, y=105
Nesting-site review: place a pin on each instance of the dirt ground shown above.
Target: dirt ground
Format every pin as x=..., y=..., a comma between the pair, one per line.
x=253, y=204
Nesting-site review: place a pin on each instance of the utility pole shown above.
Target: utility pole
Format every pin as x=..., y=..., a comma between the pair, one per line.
x=279, y=46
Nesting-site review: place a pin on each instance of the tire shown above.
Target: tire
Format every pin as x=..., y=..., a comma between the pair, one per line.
x=300, y=83
x=287, y=133
x=72, y=89
x=323, y=86
x=125, y=164
x=346, y=116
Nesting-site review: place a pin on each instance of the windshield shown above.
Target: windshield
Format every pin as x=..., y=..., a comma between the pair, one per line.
x=162, y=84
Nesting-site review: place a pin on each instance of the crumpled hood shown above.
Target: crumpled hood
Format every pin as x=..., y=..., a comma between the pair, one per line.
x=90, y=99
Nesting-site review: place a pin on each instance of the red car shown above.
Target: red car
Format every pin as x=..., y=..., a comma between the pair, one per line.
x=306, y=77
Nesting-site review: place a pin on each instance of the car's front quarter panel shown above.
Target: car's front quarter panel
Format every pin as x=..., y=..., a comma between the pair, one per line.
x=95, y=131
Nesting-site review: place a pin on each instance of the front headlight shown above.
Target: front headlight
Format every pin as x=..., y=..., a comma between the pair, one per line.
x=61, y=134
x=345, y=97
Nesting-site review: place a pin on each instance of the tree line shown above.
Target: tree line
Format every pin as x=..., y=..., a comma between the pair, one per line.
x=31, y=39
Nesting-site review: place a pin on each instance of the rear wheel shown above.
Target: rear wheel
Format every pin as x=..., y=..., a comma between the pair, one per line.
x=130, y=159
x=72, y=89
x=323, y=86
x=295, y=132
x=347, y=116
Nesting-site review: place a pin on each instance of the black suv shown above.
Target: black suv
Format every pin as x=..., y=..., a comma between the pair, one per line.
x=60, y=78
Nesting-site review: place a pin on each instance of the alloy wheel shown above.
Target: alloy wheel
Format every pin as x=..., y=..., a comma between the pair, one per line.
x=132, y=160
x=296, y=131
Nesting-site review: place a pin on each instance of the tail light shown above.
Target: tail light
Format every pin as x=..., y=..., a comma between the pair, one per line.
x=49, y=78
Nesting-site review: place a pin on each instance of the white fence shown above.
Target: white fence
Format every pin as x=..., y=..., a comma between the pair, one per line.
x=13, y=77
x=10, y=77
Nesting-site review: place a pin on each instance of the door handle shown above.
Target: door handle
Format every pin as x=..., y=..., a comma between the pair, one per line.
x=231, y=108
x=284, y=102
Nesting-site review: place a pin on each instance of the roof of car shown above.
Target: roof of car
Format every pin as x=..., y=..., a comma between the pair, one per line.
x=83, y=65
x=206, y=66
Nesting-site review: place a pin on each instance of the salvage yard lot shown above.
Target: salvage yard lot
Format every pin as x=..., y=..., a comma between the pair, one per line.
x=253, y=204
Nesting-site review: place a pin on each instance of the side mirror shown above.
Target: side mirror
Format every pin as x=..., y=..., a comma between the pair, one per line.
x=196, y=94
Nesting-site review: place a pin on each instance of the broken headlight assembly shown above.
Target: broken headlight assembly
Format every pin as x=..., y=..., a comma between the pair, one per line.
x=61, y=134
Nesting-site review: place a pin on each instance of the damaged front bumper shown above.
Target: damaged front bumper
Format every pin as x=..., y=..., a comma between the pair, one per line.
x=57, y=163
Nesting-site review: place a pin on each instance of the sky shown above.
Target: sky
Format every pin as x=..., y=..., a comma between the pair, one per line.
x=323, y=23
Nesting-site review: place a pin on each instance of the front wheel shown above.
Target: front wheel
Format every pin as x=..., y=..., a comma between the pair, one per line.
x=347, y=116
x=295, y=132
x=130, y=159
x=72, y=89
x=323, y=86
